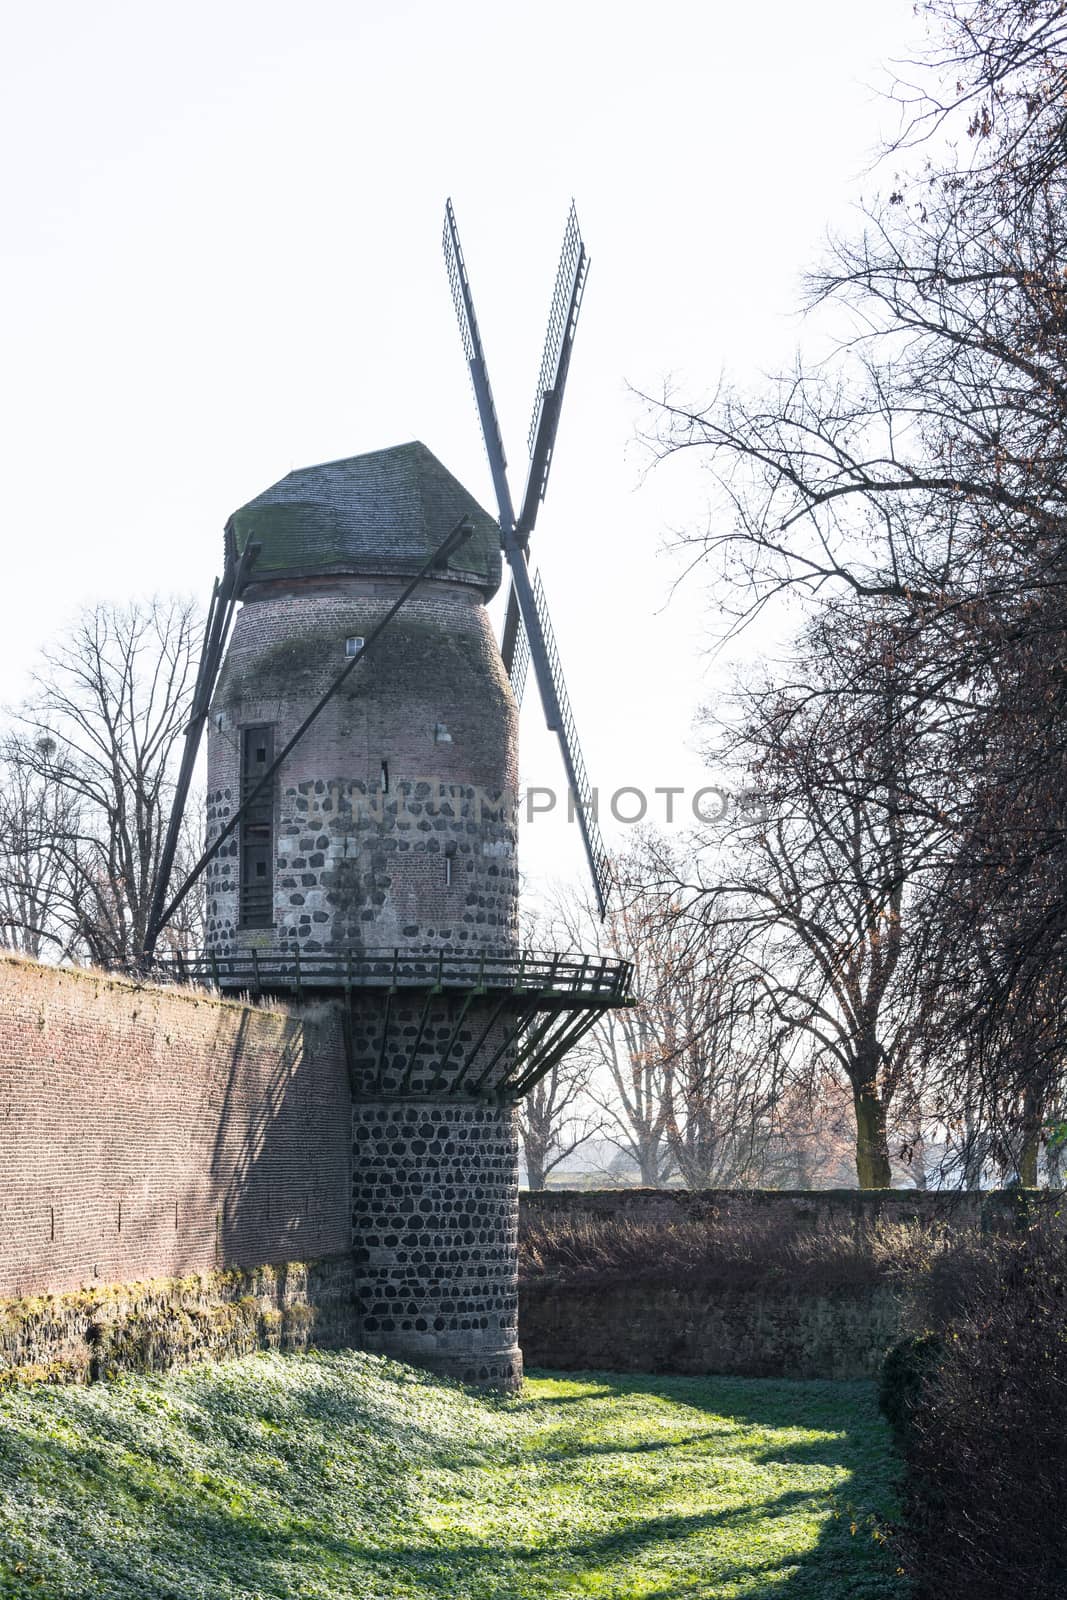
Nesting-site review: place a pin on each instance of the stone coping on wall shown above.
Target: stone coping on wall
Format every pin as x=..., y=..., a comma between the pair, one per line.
x=799, y=1207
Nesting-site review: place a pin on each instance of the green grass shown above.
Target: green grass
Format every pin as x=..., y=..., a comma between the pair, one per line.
x=332, y=1475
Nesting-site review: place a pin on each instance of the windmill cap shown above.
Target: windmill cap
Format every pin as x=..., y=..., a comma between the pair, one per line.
x=377, y=515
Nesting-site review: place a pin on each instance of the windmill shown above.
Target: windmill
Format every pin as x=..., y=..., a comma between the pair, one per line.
x=528, y=633
x=361, y=842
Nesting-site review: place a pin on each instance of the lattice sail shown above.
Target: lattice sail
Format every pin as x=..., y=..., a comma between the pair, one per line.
x=463, y=301
x=555, y=363
x=572, y=261
x=584, y=799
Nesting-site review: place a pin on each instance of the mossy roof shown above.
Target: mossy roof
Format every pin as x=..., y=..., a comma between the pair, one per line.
x=380, y=514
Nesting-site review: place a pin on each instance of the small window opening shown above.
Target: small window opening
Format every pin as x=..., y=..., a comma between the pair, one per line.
x=257, y=830
x=448, y=870
x=441, y=734
x=354, y=644
x=385, y=777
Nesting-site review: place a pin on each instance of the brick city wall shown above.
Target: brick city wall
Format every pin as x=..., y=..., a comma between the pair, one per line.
x=395, y=815
x=150, y=1132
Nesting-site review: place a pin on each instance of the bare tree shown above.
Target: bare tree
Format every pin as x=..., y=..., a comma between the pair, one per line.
x=685, y=1078
x=95, y=743
x=723, y=1071
x=38, y=825
x=921, y=469
x=556, y=1119
x=627, y=1072
x=820, y=879
x=813, y=1143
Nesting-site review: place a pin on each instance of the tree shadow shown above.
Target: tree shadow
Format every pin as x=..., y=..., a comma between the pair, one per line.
x=844, y=1418
x=279, y=1161
x=194, y=1531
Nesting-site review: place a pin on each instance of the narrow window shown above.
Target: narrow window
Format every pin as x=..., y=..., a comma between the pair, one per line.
x=448, y=870
x=385, y=777
x=257, y=830
x=354, y=645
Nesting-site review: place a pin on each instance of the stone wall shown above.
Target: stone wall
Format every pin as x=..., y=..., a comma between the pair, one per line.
x=424, y=1048
x=149, y=1132
x=791, y=1209
x=762, y=1333
x=769, y=1328
x=104, y=1331
x=435, y=1225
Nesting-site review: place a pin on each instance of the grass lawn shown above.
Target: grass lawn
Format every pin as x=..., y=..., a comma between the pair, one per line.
x=331, y=1475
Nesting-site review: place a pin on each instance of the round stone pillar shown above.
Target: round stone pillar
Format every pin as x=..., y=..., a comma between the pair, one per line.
x=435, y=1211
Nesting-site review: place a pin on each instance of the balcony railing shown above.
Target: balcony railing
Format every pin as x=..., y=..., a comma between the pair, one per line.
x=566, y=979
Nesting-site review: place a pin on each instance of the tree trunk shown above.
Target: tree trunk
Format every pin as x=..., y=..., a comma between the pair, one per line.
x=535, y=1154
x=1032, y=1120
x=872, y=1145
x=649, y=1161
x=535, y=1175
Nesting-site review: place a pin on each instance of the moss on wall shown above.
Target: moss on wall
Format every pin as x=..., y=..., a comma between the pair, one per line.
x=106, y=1330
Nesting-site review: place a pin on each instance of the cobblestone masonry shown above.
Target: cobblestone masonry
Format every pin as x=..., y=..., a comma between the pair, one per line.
x=395, y=815
x=395, y=827
x=435, y=1222
x=423, y=1052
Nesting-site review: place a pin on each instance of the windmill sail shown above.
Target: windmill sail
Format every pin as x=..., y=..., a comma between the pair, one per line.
x=563, y=312
x=583, y=798
x=528, y=634
x=472, y=346
x=520, y=664
x=555, y=363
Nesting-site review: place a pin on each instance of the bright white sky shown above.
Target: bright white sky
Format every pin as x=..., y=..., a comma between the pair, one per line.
x=221, y=260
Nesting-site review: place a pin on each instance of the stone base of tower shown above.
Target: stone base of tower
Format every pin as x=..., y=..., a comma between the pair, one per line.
x=435, y=1206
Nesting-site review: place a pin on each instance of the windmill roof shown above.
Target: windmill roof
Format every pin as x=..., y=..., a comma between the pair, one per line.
x=380, y=514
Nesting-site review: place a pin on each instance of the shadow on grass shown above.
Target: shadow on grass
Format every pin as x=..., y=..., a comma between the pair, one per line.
x=848, y=1560
x=193, y=1531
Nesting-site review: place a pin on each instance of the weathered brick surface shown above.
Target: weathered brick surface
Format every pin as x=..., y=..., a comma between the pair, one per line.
x=428, y=861
x=148, y=1132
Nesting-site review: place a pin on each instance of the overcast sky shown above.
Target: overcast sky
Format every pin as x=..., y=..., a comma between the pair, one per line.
x=221, y=258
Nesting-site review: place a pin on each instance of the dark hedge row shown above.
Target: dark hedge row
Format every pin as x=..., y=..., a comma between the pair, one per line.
x=978, y=1403
x=730, y=1254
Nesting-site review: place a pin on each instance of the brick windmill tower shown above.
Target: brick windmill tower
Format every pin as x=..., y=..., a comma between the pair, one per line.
x=361, y=852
